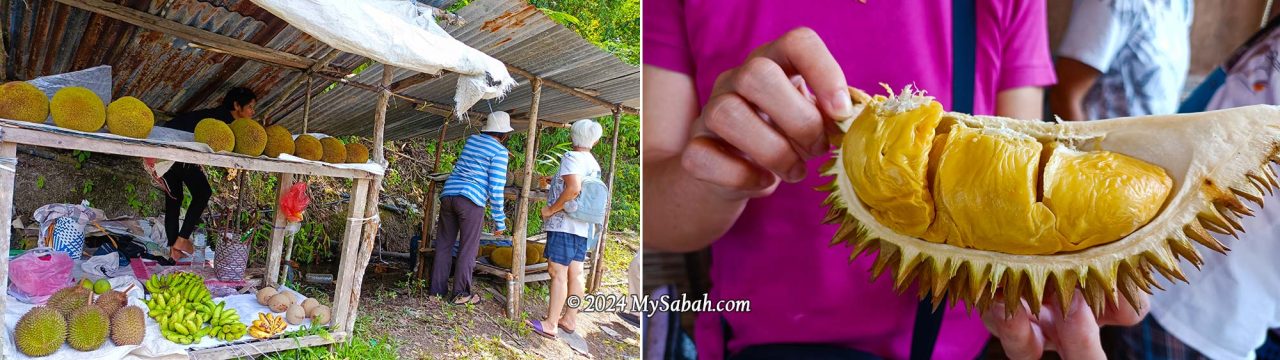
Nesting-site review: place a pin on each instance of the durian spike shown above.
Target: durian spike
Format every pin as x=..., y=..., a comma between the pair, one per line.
x=1259, y=183
x=1248, y=193
x=1013, y=291
x=1180, y=244
x=1035, y=284
x=1065, y=287
x=1197, y=233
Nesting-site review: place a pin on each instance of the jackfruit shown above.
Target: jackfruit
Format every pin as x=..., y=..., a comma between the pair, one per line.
x=87, y=328
x=79, y=109
x=533, y=254
x=251, y=138
x=486, y=250
x=279, y=141
x=307, y=147
x=128, y=116
x=357, y=153
x=40, y=332
x=501, y=257
x=22, y=101
x=70, y=299
x=968, y=206
x=334, y=151
x=216, y=134
x=128, y=327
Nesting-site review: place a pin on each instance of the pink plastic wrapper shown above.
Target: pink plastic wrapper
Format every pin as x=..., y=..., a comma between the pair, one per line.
x=295, y=202
x=38, y=273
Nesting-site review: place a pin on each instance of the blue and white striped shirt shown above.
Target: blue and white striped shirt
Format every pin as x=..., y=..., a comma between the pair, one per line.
x=480, y=175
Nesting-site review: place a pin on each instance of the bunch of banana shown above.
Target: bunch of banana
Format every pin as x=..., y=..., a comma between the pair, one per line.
x=181, y=325
x=267, y=325
x=225, y=324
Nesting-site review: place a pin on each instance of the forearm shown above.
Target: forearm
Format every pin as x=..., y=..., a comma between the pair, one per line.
x=683, y=213
x=570, y=193
x=1066, y=106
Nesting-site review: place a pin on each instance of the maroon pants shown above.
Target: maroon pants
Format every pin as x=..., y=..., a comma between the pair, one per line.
x=460, y=220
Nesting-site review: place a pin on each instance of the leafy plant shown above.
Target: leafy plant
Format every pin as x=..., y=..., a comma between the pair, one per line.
x=81, y=157
x=40, y=182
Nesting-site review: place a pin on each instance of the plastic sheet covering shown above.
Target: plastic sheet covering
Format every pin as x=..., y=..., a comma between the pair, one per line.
x=96, y=79
x=398, y=33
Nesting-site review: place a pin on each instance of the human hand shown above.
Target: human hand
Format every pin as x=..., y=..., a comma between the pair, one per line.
x=762, y=123
x=1073, y=335
x=546, y=213
x=181, y=247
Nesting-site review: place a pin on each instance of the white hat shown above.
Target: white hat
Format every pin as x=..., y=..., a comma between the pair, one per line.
x=499, y=121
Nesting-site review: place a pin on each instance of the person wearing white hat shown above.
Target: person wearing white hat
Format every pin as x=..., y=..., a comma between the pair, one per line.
x=478, y=179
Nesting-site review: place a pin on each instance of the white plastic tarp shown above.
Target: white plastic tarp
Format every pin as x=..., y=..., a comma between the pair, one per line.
x=398, y=33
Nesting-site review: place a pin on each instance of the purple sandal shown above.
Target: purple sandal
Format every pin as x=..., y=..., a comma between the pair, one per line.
x=537, y=328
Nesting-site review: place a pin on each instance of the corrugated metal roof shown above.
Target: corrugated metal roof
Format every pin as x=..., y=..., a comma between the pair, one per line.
x=172, y=76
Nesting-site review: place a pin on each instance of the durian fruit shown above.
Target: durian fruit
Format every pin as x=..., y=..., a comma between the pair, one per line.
x=265, y=294
x=216, y=134
x=319, y=315
x=87, y=328
x=295, y=314
x=502, y=257
x=533, y=253
x=357, y=153
x=128, y=327
x=128, y=116
x=251, y=138
x=40, y=332
x=975, y=206
x=22, y=101
x=486, y=250
x=78, y=108
x=69, y=299
x=111, y=301
x=307, y=147
x=279, y=141
x=335, y=152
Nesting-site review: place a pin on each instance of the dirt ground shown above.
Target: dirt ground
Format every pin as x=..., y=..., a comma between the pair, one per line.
x=426, y=327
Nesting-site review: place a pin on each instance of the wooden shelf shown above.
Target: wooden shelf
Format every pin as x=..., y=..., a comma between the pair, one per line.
x=28, y=134
x=260, y=347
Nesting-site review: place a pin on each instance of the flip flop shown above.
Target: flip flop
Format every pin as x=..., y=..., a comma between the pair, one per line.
x=565, y=329
x=537, y=328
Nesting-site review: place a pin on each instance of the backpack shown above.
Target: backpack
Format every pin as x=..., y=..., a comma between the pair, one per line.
x=592, y=202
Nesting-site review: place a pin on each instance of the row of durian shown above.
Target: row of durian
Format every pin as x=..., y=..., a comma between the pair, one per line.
x=78, y=108
x=246, y=136
x=71, y=316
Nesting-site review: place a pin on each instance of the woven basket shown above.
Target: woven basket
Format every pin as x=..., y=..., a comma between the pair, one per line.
x=231, y=259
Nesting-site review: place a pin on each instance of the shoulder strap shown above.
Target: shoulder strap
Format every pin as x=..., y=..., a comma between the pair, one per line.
x=924, y=334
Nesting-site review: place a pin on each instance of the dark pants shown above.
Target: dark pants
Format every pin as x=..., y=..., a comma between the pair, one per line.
x=460, y=220
x=194, y=179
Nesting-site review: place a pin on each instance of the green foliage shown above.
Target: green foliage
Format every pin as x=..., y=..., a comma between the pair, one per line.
x=362, y=345
x=613, y=25
x=81, y=157
x=40, y=182
x=86, y=187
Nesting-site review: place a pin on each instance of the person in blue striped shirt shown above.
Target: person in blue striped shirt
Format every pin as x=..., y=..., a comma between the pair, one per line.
x=478, y=179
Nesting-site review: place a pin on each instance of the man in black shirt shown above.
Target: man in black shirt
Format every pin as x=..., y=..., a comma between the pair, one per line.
x=238, y=104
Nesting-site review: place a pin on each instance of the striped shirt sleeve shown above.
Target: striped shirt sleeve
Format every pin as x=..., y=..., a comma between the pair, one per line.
x=497, y=184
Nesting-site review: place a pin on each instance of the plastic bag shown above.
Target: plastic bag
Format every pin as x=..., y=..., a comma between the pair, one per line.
x=294, y=202
x=38, y=273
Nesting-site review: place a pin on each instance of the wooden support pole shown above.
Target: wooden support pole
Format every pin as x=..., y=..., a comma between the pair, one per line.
x=428, y=217
x=277, y=234
x=572, y=91
x=4, y=56
x=597, y=261
x=347, y=275
x=520, y=234
x=8, y=151
x=371, y=220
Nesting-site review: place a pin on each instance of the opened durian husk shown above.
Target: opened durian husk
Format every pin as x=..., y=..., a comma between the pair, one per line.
x=1213, y=159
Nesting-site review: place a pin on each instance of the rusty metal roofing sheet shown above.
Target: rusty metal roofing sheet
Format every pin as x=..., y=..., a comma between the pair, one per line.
x=171, y=75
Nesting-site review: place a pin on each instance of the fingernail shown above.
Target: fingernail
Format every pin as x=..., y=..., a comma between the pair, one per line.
x=842, y=107
x=796, y=173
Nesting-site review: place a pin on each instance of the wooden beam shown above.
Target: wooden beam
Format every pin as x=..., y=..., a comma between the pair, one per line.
x=597, y=260
x=277, y=233
x=371, y=221
x=347, y=275
x=8, y=160
x=18, y=132
x=415, y=79
x=221, y=43
x=272, y=110
x=520, y=233
x=260, y=347
x=573, y=91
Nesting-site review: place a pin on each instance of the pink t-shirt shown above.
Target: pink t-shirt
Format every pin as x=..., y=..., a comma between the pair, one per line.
x=777, y=255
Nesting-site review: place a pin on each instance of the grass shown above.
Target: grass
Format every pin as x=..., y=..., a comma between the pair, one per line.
x=362, y=345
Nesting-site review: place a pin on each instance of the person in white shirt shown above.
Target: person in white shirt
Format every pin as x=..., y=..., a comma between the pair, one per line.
x=566, y=236
x=1122, y=58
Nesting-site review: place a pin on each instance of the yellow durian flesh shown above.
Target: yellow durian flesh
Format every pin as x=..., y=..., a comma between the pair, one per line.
x=892, y=176
x=1128, y=198
x=1101, y=196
